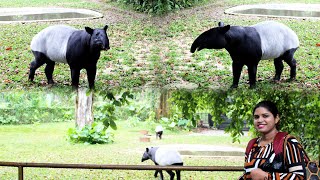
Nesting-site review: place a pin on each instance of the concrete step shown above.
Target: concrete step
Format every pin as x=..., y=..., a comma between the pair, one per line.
x=206, y=150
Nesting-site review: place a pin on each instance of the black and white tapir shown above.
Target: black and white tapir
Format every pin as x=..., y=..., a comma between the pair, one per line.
x=159, y=132
x=248, y=45
x=79, y=48
x=164, y=157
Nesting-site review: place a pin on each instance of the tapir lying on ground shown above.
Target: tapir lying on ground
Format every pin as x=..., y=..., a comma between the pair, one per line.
x=248, y=45
x=79, y=48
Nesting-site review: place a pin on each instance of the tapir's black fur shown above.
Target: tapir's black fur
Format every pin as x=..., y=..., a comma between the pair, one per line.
x=245, y=48
x=82, y=52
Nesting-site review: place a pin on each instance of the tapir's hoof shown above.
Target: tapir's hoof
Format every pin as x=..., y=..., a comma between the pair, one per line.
x=50, y=82
x=252, y=86
x=75, y=87
x=291, y=79
x=276, y=81
x=233, y=86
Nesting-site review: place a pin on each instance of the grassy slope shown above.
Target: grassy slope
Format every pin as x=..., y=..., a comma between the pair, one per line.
x=155, y=51
x=47, y=143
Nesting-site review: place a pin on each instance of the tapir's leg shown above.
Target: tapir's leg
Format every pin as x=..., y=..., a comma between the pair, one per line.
x=252, y=70
x=288, y=58
x=178, y=172
x=236, y=70
x=91, y=74
x=75, y=73
x=161, y=174
x=293, y=68
x=279, y=67
x=49, y=71
x=156, y=173
x=38, y=61
x=171, y=174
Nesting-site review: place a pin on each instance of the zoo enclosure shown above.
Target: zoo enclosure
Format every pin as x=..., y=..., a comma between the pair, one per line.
x=21, y=165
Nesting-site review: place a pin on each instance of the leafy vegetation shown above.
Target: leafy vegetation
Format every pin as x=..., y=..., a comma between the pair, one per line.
x=95, y=133
x=159, y=7
x=25, y=107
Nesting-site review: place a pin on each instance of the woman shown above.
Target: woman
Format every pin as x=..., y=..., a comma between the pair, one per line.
x=261, y=162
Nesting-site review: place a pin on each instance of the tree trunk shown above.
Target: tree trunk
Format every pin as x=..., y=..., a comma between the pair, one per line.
x=84, y=114
x=162, y=110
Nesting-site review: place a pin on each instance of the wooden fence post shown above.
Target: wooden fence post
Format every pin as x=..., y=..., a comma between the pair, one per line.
x=20, y=172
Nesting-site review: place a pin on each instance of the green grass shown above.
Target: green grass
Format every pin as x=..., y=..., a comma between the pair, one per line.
x=147, y=51
x=48, y=143
x=49, y=3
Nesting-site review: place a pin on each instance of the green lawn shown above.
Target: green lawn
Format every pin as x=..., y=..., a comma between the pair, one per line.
x=48, y=143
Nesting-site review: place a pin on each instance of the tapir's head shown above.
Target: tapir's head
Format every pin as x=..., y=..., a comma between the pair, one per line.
x=149, y=154
x=146, y=155
x=99, y=38
x=211, y=39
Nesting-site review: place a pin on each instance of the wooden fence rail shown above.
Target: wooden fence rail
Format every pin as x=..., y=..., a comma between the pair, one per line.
x=21, y=165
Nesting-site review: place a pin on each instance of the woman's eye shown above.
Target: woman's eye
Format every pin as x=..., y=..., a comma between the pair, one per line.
x=265, y=116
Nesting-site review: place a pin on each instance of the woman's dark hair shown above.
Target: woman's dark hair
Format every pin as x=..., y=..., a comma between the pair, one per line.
x=270, y=106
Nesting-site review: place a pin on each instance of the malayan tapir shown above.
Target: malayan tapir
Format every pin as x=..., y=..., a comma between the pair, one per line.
x=248, y=45
x=65, y=44
x=164, y=157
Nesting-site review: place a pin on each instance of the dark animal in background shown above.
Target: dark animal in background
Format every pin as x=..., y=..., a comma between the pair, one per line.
x=164, y=157
x=159, y=132
x=248, y=45
x=79, y=48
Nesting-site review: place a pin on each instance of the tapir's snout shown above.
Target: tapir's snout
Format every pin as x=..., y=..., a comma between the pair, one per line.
x=106, y=48
x=193, y=48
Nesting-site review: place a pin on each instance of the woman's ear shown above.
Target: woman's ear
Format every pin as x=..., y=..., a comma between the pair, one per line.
x=277, y=119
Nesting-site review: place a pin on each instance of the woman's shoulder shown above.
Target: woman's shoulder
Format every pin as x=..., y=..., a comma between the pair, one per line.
x=292, y=138
x=293, y=141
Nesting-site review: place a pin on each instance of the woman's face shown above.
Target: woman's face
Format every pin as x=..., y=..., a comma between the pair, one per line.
x=264, y=121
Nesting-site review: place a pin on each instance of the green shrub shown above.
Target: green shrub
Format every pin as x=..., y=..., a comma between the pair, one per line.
x=95, y=133
x=159, y=6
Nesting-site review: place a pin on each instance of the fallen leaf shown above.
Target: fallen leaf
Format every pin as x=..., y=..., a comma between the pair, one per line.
x=9, y=48
x=7, y=81
x=318, y=44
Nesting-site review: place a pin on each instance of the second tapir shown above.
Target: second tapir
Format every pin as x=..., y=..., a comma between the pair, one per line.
x=248, y=45
x=61, y=43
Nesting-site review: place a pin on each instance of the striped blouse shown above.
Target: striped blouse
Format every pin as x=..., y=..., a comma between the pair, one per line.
x=294, y=162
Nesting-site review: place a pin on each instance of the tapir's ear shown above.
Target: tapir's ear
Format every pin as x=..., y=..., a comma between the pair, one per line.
x=105, y=27
x=224, y=29
x=89, y=30
x=147, y=149
x=220, y=24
